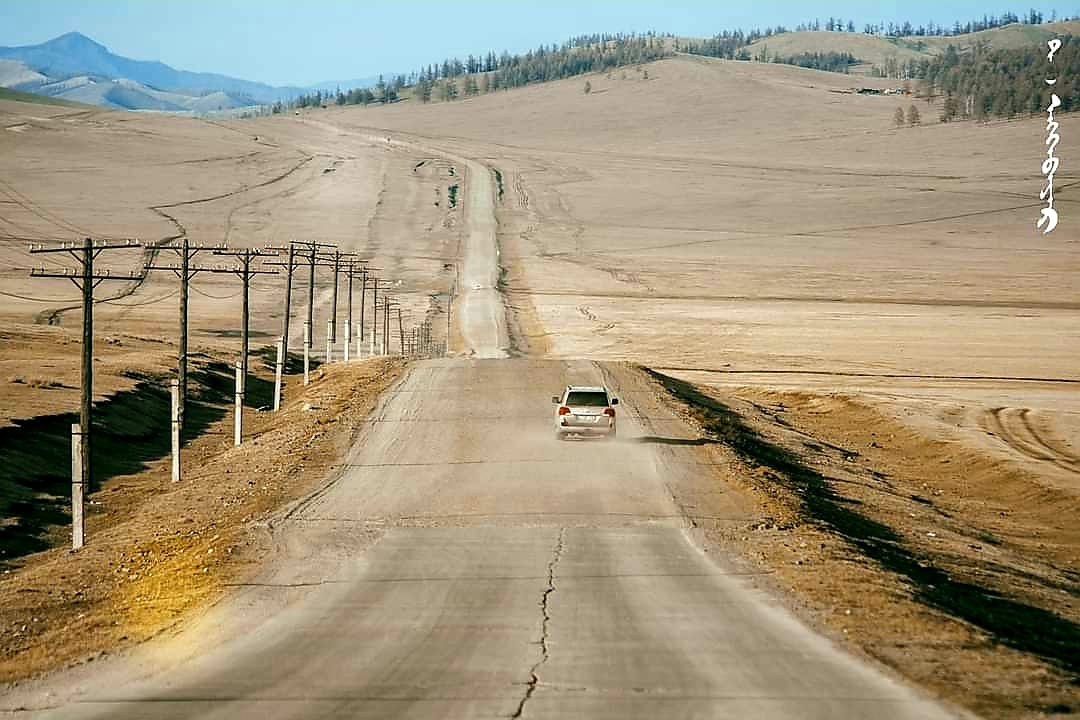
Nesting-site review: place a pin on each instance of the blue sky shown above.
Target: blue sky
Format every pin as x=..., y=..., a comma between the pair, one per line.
x=307, y=41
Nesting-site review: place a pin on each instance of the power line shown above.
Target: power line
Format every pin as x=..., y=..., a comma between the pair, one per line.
x=41, y=300
x=216, y=297
x=151, y=301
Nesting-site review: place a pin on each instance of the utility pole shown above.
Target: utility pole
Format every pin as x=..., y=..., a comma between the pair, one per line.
x=360, y=327
x=86, y=280
x=306, y=250
x=386, y=326
x=185, y=272
x=290, y=268
x=401, y=331
x=374, y=312
x=357, y=268
x=387, y=304
x=245, y=273
x=309, y=327
x=346, y=345
x=333, y=259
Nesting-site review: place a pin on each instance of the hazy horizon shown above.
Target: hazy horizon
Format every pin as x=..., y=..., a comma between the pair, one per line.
x=285, y=43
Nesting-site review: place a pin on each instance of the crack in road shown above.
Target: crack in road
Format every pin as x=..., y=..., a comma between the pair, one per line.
x=534, y=678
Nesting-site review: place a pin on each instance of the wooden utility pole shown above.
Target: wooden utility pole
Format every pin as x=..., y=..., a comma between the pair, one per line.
x=374, y=312
x=290, y=268
x=401, y=331
x=356, y=268
x=245, y=273
x=333, y=260
x=185, y=272
x=307, y=251
x=387, y=304
x=346, y=344
x=86, y=280
x=309, y=328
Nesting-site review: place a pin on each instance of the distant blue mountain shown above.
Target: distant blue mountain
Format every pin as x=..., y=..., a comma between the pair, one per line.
x=75, y=55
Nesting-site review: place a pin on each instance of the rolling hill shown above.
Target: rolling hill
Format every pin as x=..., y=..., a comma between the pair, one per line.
x=876, y=49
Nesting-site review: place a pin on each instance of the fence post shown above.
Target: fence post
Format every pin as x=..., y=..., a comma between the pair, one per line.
x=279, y=368
x=347, y=343
x=307, y=352
x=238, y=413
x=174, y=392
x=77, y=487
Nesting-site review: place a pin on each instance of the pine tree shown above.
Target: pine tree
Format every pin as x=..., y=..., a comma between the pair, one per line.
x=949, y=109
x=588, y=87
x=423, y=89
x=913, y=116
x=898, y=117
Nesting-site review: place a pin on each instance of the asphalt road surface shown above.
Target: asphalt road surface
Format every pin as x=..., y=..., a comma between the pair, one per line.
x=466, y=564
x=518, y=576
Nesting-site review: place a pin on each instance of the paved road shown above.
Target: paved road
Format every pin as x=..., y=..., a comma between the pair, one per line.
x=518, y=576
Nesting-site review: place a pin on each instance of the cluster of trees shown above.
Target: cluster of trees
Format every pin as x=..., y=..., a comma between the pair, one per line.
x=908, y=29
x=988, y=22
x=478, y=74
x=731, y=44
x=727, y=44
x=1004, y=83
x=384, y=92
x=580, y=55
x=912, y=117
x=839, y=62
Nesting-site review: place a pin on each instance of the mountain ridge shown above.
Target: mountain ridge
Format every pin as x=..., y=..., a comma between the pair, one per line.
x=74, y=55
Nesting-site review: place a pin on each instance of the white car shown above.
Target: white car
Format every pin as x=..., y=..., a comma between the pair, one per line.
x=585, y=411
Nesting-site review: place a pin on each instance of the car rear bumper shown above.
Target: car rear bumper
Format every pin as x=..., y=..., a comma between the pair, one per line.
x=598, y=430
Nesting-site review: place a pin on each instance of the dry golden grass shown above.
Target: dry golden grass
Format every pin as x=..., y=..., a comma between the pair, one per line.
x=157, y=551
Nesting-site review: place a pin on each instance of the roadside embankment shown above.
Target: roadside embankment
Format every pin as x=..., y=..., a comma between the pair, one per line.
x=157, y=550
x=957, y=570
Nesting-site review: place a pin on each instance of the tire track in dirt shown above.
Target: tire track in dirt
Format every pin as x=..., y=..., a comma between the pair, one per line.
x=53, y=316
x=1014, y=427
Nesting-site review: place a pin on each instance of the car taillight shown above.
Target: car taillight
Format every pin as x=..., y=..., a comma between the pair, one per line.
x=564, y=410
x=610, y=412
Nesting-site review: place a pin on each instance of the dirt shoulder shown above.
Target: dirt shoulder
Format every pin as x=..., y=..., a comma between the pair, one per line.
x=164, y=550
x=959, y=571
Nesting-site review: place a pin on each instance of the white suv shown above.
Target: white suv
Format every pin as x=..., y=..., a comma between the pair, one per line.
x=585, y=411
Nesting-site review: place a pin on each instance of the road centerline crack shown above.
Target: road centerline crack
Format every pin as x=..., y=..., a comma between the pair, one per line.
x=534, y=677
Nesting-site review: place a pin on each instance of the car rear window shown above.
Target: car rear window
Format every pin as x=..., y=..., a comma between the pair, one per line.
x=587, y=399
